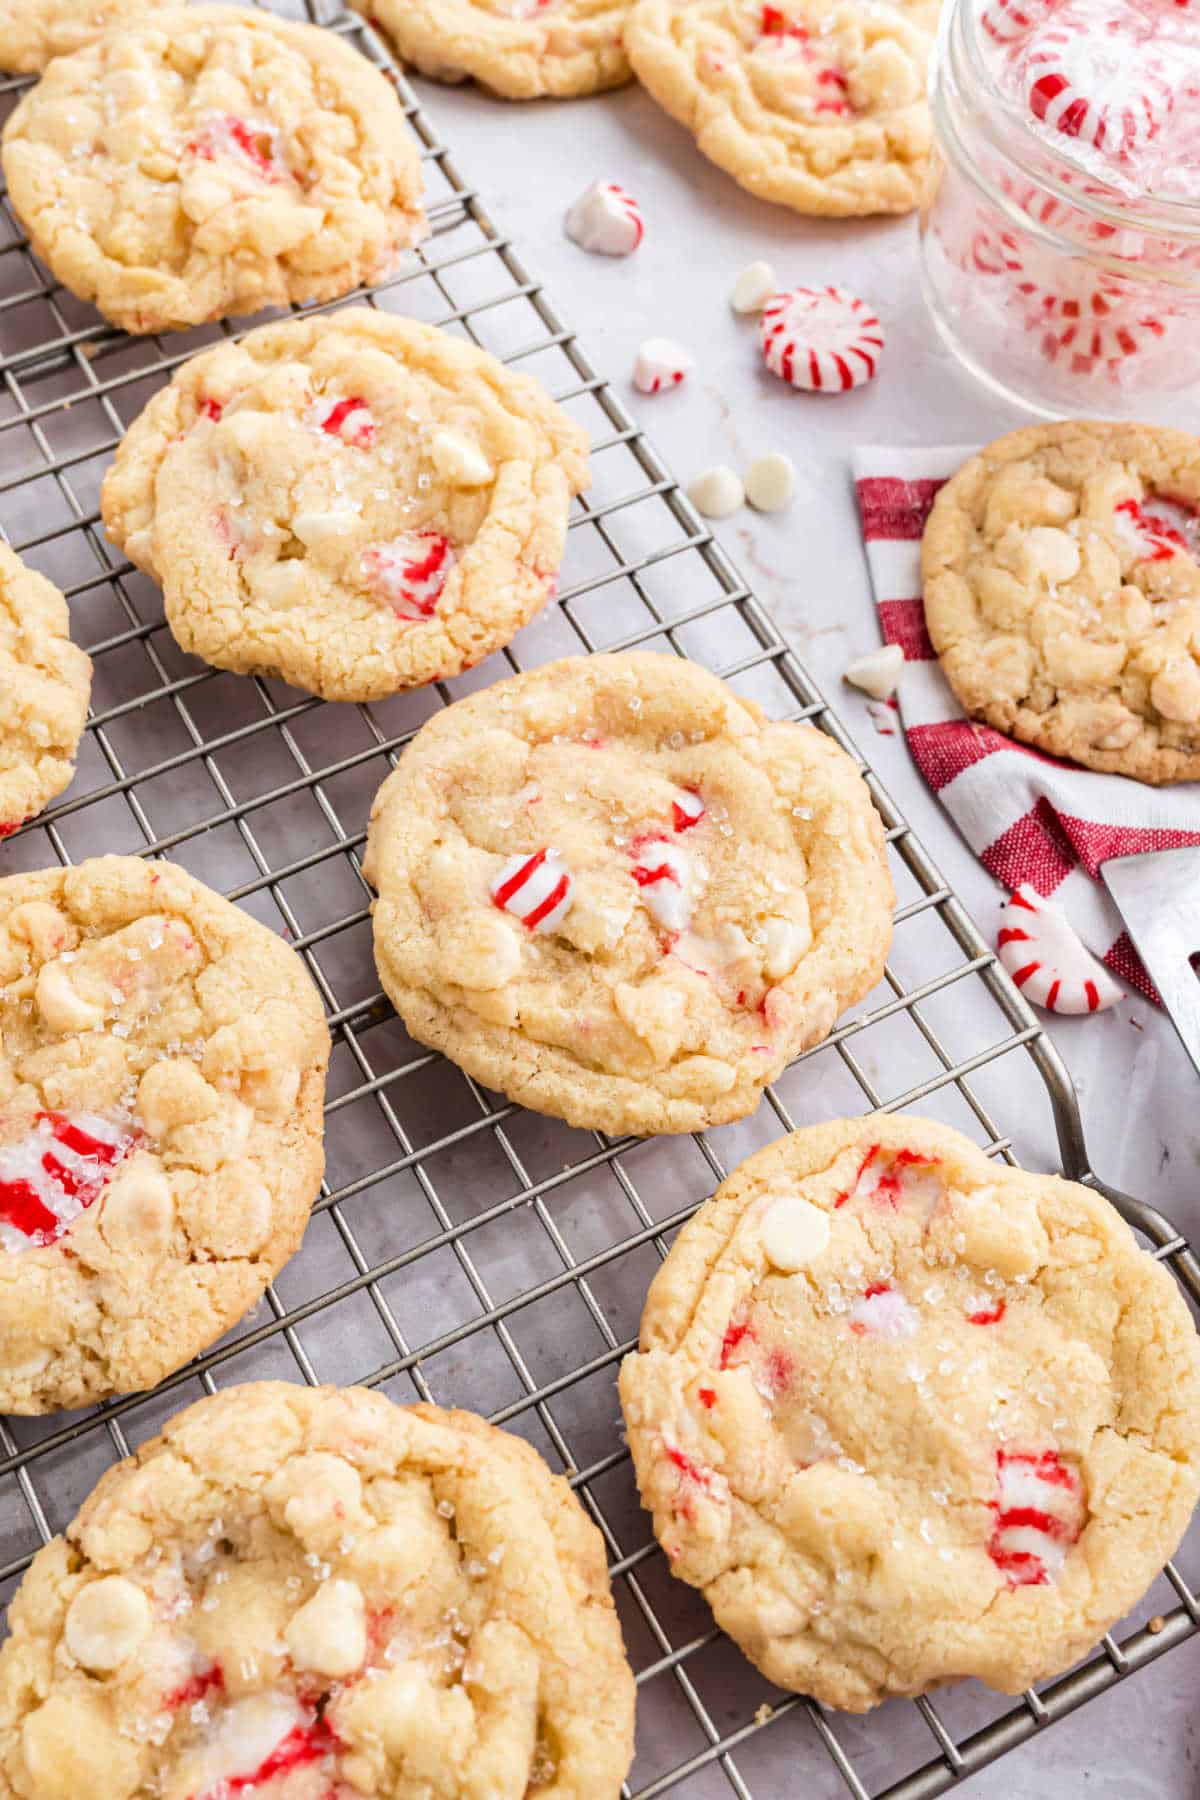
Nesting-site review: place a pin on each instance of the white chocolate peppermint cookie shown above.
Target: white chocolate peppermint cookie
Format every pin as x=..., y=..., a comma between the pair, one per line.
x=314, y=1594
x=1048, y=960
x=816, y=104
x=34, y=31
x=821, y=339
x=619, y=894
x=213, y=161
x=907, y=1416
x=1062, y=593
x=162, y=1071
x=45, y=681
x=605, y=220
x=520, y=49
x=357, y=502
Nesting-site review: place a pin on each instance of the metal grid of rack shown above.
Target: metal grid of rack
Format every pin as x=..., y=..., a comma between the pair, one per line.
x=464, y=1251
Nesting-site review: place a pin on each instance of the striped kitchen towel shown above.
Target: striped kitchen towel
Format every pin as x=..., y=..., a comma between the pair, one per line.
x=1027, y=816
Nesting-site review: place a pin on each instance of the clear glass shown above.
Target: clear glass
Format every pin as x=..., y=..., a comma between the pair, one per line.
x=1056, y=283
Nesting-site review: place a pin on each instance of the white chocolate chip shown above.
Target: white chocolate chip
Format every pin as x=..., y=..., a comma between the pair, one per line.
x=753, y=288
x=329, y=1633
x=106, y=1622
x=878, y=673
x=793, y=1233
x=785, y=941
x=459, y=461
x=60, y=1004
x=138, y=1212
x=771, y=482
x=315, y=528
x=717, y=492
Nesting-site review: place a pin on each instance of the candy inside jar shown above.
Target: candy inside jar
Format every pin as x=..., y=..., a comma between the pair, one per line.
x=1061, y=227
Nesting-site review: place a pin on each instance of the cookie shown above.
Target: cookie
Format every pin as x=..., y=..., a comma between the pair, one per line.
x=617, y=892
x=213, y=161
x=906, y=1415
x=161, y=1084
x=45, y=681
x=520, y=49
x=357, y=503
x=1062, y=593
x=33, y=31
x=816, y=104
x=316, y=1585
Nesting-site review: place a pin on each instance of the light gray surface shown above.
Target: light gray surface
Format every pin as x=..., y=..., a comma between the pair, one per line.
x=1140, y=1098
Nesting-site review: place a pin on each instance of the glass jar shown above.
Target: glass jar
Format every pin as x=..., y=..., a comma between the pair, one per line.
x=1049, y=271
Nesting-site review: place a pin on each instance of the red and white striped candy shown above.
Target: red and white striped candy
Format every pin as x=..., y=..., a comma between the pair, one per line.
x=1151, y=537
x=410, y=572
x=535, y=889
x=893, y=1178
x=256, y=1742
x=821, y=339
x=53, y=1173
x=1008, y=21
x=348, y=419
x=663, y=873
x=1043, y=953
x=660, y=364
x=1104, y=95
x=605, y=220
x=1039, y=1514
x=882, y=1311
x=247, y=143
x=687, y=809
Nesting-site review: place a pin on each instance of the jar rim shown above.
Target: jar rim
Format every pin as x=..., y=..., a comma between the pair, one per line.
x=1036, y=156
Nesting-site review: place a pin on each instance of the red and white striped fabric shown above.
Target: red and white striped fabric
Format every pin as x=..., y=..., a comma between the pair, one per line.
x=1027, y=816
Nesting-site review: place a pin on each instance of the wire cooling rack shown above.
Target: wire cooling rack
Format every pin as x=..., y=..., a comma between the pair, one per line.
x=464, y=1251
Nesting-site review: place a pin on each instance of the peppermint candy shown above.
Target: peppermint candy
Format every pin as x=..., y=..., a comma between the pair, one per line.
x=660, y=364
x=1103, y=93
x=821, y=339
x=605, y=220
x=410, y=572
x=890, y=1178
x=258, y=1740
x=251, y=145
x=535, y=889
x=1151, y=537
x=1006, y=22
x=1039, y=1514
x=350, y=420
x=663, y=873
x=687, y=809
x=882, y=1311
x=1043, y=953
x=54, y=1173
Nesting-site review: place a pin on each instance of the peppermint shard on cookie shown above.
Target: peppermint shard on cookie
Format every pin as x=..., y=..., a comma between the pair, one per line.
x=212, y=161
x=618, y=893
x=315, y=1594
x=815, y=104
x=163, y=1064
x=356, y=503
x=906, y=1415
x=1062, y=593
